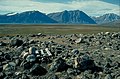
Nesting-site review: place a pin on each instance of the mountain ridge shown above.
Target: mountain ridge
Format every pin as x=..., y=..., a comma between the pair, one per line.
x=72, y=17
x=26, y=17
x=64, y=17
x=106, y=18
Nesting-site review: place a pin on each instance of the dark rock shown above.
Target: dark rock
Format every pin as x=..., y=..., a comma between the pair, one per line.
x=17, y=61
x=27, y=65
x=38, y=70
x=85, y=63
x=16, y=42
x=31, y=42
x=95, y=76
x=2, y=75
x=2, y=44
x=59, y=65
x=7, y=57
x=1, y=53
x=1, y=68
x=75, y=51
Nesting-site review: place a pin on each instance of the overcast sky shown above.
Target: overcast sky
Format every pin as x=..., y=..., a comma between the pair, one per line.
x=91, y=7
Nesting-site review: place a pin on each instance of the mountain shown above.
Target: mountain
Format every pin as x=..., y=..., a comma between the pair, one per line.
x=106, y=18
x=115, y=23
x=26, y=17
x=72, y=17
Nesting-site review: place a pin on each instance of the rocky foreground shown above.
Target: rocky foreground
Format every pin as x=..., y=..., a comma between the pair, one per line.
x=75, y=56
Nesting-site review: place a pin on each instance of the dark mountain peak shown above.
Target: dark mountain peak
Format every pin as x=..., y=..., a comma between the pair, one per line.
x=33, y=12
x=72, y=17
x=65, y=11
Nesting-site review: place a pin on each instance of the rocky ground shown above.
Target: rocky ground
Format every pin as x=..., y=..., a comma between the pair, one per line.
x=75, y=56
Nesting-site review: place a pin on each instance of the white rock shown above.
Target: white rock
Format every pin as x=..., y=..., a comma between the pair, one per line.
x=24, y=54
x=42, y=52
x=48, y=52
x=78, y=40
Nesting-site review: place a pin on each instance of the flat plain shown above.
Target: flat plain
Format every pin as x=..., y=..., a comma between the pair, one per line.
x=24, y=29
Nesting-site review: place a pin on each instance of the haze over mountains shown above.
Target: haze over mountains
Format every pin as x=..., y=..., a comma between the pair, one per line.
x=64, y=17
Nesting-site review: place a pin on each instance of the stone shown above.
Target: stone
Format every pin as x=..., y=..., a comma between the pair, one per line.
x=9, y=67
x=42, y=52
x=2, y=75
x=80, y=40
x=12, y=64
x=54, y=77
x=18, y=73
x=16, y=42
x=75, y=51
x=87, y=64
x=84, y=63
x=108, y=76
x=118, y=77
x=20, y=49
x=2, y=43
x=7, y=56
x=32, y=50
x=72, y=71
x=59, y=65
x=95, y=76
x=31, y=58
x=1, y=68
x=48, y=52
x=24, y=54
x=38, y=70
x=24, y=76
x=27, y=65
x=1, y=53
x=17, y=61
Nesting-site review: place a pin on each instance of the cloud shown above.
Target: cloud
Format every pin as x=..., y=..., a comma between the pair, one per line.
x=91, y=7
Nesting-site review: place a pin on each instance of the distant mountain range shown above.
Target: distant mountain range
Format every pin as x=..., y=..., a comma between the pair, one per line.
x=72, y=17
x=65, y=17
x=106, y=18
x=26, y=17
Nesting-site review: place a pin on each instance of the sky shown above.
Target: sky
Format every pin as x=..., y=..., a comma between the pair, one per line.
x=91, y=7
